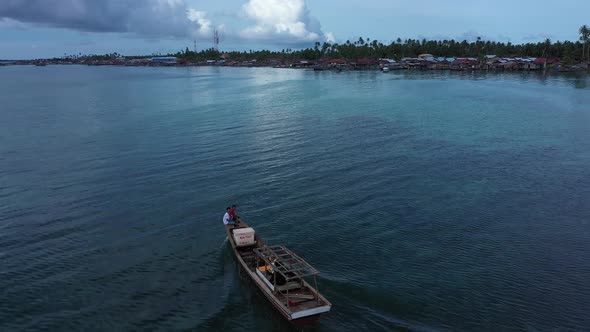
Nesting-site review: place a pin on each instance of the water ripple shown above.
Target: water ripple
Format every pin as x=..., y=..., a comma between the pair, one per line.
x=428, y=201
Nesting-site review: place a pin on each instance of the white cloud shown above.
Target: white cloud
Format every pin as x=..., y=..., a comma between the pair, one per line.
x=12, y=24
x=204, y=26
x=266, y=21
x=283, y=20
x=157, y=18
x=330, y=37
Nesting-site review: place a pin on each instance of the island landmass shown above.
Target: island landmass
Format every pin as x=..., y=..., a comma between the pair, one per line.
x=368, y=54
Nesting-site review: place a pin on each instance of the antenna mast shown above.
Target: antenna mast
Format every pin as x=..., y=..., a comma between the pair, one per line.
x=195, y=46
x=216, y=40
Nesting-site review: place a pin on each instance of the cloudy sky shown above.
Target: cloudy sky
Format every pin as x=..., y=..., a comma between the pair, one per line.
x=43, y=28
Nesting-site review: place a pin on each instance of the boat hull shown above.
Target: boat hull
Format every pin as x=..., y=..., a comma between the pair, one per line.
x=306, y=321
x=293, y=318
x=299, y=322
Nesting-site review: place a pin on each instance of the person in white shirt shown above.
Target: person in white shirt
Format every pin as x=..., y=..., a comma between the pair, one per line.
x=227, y=220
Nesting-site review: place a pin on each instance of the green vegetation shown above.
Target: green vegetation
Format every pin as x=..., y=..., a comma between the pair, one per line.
x=371, y=48
x=584, y=38
x=569, y=52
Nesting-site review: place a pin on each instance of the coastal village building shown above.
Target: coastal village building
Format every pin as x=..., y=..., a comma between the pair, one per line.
x=364, y=64
x=165, y=60
x=424, y=61
x=425, y=56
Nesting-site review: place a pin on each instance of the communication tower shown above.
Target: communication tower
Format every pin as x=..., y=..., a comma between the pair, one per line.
x=216, y=40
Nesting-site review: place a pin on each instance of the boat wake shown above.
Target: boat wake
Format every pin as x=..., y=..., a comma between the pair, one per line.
x=381, y=310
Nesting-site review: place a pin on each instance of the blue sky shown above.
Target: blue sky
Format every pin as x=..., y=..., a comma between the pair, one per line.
x=41, y=28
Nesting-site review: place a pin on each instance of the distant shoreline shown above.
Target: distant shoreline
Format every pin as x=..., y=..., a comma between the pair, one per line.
x=338, y=68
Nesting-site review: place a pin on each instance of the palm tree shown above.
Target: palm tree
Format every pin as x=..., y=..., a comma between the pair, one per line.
x=584, y=37
x=546, y=44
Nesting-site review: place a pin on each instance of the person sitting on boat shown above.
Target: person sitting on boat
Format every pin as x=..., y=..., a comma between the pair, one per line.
x=232, y=213
x=226, y=217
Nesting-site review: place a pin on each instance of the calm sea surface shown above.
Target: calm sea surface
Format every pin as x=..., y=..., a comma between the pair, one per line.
x=428, y=201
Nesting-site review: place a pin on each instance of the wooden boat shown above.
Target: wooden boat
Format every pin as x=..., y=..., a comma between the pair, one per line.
x=280, y=274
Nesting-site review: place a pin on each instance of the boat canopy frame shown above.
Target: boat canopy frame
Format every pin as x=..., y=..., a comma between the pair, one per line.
x=285, y=262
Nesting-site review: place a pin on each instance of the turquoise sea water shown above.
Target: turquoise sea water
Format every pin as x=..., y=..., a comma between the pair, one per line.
x=427, y=200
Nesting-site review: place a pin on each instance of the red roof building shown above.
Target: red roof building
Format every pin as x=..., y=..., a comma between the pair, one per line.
x=541, y=61
x=365, y=61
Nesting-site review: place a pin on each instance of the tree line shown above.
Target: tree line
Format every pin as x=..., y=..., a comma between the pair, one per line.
x=568, y=51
